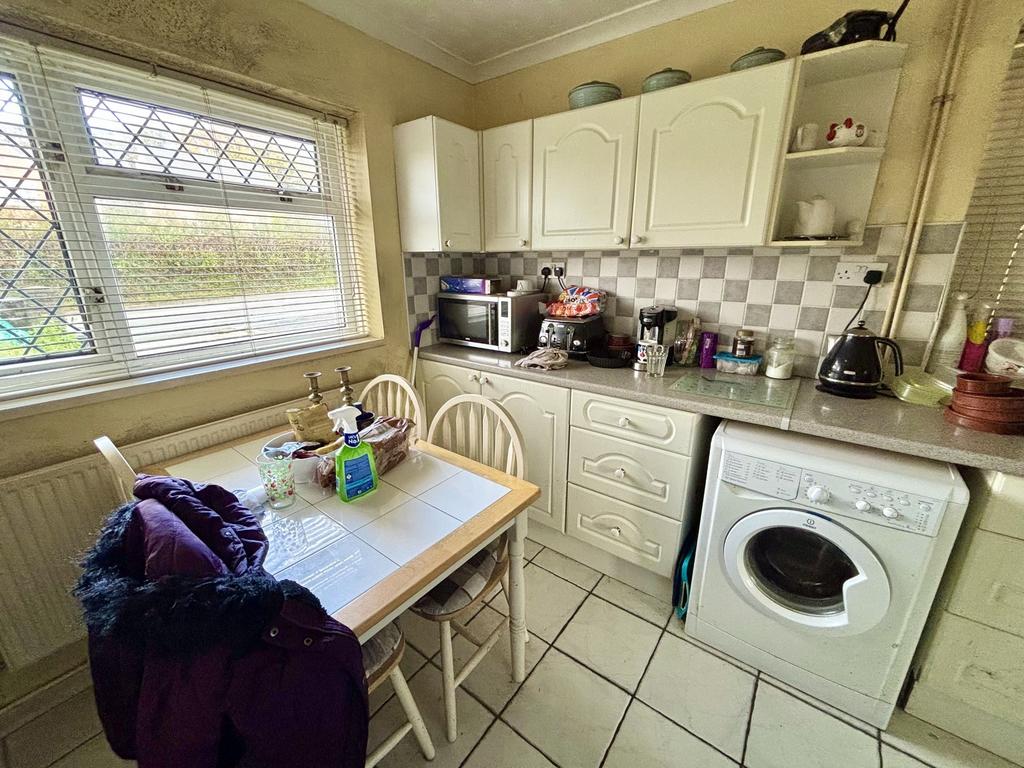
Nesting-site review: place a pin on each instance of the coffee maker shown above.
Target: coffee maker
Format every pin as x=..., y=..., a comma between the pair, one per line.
x=657, y=324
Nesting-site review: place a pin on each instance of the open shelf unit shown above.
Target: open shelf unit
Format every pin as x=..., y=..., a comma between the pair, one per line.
x=858, y=81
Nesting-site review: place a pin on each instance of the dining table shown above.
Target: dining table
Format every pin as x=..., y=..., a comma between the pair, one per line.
x=369, y=559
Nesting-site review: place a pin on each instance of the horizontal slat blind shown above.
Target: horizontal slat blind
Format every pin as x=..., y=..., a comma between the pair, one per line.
x=149, y=223
x=990, y=266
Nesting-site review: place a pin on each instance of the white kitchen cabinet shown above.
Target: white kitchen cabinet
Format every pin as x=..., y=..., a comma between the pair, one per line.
x=583, y=163
x=541, y=412
x=707, y=155
x=507, y=171
x=437, y=172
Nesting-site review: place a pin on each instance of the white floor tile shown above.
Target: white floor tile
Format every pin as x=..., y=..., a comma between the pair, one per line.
x=408, y=530
x=504, y=748
x=95, y=753
x=636, y=602
x=648, y=740
x=892, y=758
x=419, y=473
x=464, y=494
x=340, y=572
x=473, y=720
x=422, y=634
x=202, y=468
x=610, y=641
x=786, y=732
x=297, y=536
x=355, y=514
x=567, y=711
x=860, y=724
x=550, y=602
x=935, y=746
x=491, y=681
x=569, y=569
x=706, y=695
x=713, y=651
x=531, y=549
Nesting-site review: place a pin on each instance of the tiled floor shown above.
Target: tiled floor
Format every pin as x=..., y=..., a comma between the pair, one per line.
x=612, y=681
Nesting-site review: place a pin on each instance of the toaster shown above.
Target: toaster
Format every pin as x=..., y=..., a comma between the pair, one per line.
x=575, y=335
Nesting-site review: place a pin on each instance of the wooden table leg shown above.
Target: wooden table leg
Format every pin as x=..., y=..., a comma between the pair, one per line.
x=517, y=598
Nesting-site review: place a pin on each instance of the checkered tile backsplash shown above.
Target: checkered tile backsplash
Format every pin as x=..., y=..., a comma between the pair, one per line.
x=774, y=291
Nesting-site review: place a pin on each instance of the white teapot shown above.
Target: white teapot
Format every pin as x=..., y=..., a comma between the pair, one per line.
x=815, y=218
x=848, y=133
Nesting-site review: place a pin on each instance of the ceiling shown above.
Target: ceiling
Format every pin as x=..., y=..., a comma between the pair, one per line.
x=477, y=40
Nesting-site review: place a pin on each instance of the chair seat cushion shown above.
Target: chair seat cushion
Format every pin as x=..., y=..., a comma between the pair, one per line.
x=466, y=584
x=379, y=650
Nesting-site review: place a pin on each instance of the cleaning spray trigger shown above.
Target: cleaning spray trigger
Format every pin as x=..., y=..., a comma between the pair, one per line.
x=355, y=468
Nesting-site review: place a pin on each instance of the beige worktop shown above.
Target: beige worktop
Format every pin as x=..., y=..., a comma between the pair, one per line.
x=884, y=422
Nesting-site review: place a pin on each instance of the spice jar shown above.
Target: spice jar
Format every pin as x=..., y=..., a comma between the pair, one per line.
x=779, y=359
x=743, y=343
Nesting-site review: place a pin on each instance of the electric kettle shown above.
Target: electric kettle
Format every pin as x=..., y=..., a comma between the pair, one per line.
x=853, y=366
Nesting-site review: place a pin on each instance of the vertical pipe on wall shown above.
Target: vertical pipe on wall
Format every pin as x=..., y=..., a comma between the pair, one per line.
x=944, y=95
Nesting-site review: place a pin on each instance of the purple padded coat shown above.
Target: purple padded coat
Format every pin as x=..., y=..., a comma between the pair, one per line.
x=199, y=657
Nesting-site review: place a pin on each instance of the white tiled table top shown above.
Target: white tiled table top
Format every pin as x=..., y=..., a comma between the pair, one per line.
x=339, y=550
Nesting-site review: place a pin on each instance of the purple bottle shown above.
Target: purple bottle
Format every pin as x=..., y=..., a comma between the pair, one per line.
x=708, y=347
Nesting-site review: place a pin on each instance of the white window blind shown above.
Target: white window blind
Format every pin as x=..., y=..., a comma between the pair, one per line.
x=148, y=223
x=990, y=267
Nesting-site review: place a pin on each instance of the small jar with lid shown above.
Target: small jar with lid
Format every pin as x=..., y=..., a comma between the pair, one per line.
x=779, y=359
x=743, y=343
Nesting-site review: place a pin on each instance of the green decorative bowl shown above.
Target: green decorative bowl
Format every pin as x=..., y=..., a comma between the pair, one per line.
x=596, y=92
x=666, y=78
x=757, y=57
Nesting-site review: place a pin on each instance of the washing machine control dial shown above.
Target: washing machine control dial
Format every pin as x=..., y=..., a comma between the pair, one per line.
x=862, y=506
x=890, y=513
x=818, y=494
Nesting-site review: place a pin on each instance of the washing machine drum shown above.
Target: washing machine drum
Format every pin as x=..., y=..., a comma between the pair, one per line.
x=806, y=569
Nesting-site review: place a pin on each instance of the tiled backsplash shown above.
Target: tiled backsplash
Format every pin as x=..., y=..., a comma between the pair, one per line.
x=774, y=291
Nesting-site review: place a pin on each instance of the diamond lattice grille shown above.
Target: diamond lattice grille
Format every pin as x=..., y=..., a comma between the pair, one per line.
x=40, y=307
x=145, y=137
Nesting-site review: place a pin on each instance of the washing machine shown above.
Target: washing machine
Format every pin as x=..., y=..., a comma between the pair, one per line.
x=817, y=561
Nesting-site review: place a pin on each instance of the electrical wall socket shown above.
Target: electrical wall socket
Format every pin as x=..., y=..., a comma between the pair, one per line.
x=852, y=272
x=557, y=263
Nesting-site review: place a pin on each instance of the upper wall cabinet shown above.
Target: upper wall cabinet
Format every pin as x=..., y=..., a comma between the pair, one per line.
x=507, y=163
x=437, y=170
x=583, y=164
x=706, y=159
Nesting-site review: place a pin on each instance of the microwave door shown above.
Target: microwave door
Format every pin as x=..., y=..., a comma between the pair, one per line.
x=468, y=322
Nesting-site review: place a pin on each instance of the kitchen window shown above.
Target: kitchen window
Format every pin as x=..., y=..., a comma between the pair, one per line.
x=149, y=223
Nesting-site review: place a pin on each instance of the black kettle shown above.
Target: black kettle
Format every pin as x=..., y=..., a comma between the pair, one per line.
x=853, y=366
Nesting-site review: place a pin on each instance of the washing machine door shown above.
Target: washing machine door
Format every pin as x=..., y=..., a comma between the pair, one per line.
x=806, y=569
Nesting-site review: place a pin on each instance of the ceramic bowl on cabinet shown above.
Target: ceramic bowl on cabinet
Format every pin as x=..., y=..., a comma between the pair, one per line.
x=666, y=78
x=595, y=92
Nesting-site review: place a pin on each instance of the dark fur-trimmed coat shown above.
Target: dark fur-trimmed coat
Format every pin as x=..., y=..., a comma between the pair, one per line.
x=200, y=659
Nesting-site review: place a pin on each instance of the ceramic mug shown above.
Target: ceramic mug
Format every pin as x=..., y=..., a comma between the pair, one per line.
x=524, y=286
x=806, y=138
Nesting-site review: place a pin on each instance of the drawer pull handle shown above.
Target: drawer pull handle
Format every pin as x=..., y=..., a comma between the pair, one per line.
x=474, y=377
x=615, y=531
x=485, y=380
x=624, y=421
x=620, y=473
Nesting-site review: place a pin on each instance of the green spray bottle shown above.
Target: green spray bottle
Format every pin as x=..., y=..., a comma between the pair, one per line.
x=354, y=465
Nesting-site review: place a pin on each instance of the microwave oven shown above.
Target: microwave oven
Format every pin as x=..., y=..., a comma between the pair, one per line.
x=499, y=322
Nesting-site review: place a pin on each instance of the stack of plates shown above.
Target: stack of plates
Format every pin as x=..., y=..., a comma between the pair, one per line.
x=987, y=403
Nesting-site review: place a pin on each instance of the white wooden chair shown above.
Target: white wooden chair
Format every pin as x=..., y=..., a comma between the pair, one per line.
x=390, y=395
x=480, y=429
x=382, y=657
x=124, y=475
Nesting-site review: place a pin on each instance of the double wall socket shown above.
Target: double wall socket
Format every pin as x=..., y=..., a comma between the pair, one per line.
x=852, y=272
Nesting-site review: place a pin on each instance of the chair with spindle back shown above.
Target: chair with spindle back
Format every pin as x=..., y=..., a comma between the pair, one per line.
x=124, y=475
x=390, y=395
x=479, y=429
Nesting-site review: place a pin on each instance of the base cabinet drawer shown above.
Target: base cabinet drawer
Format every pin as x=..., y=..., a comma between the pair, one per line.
x=633, y=534
x=642, y=476
x=991, y=584
x=647, y=424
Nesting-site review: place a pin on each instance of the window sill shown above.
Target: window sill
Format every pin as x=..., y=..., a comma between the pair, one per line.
x=16, y=408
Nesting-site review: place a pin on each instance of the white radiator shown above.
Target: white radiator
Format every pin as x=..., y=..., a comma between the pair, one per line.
x=50, y=517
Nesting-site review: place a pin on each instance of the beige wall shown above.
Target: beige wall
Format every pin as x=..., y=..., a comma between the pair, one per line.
x=706, y=43
x=274, y=46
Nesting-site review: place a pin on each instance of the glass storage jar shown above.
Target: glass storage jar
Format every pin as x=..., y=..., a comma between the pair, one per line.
x=779, y=359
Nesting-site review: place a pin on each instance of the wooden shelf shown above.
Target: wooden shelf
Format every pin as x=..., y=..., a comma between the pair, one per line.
x=834, y=156
x=851, y=61
x=841, y=243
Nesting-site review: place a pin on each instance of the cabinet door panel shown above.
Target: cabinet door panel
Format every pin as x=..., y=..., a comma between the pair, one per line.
x=583, y=164
x=707, y=157
x=439, y=382
x=542, y=414
x=507, y=171
x=991, y=585
x=458, y=186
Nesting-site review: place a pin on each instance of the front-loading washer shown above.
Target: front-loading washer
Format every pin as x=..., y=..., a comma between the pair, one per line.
x=817, y=561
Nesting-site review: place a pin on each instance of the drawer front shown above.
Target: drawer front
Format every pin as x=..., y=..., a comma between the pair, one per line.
x=630, y=533
x=645, y=424
x=991, y=584
x=646, y=477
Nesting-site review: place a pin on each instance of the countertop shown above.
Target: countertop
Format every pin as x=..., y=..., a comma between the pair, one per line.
x=884, y=422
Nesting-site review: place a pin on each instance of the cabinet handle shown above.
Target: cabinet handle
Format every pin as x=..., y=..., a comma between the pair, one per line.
x=474, y=377
x=624, y=421
x=524, y=242
x=447, y=243
x=615, y=531
x=484, y=380
x=620, y=473
x=638, y=239
x=619, y=240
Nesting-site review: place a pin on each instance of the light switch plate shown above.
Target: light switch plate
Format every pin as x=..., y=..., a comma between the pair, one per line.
x=852, y=272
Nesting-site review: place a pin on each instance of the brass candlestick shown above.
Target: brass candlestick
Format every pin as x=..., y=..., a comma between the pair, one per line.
x=346, y=388
x=314, y=387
